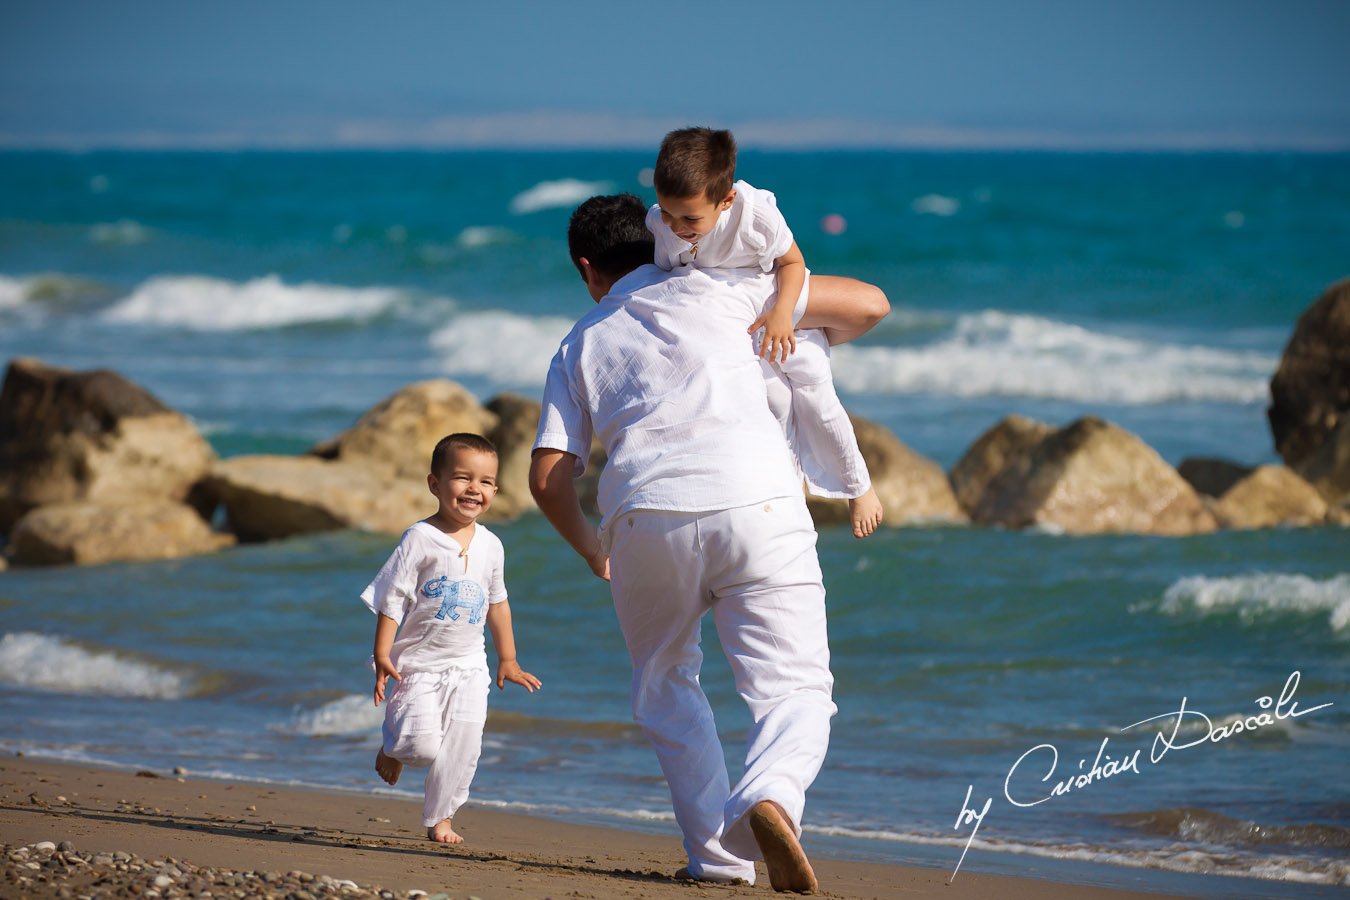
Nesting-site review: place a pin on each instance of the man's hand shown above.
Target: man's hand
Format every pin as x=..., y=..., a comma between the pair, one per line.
x=865, y=513
x=599, y=563
x=384, y=670
x=509, y=670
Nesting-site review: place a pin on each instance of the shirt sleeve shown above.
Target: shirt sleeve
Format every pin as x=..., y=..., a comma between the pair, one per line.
x=394, y=588
x=770, y=229
x=668, y=247
x=496, y=586
x=564, y=421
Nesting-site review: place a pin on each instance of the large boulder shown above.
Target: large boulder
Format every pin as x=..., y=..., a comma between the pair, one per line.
x=1013, y=437
x=1212, y=477
x=517, y=424
x=911, y=487
x=1310, y=392
x=89, y=533
x=398, y=434
x=1329, y=468
x=69, y=436
x=271, y=497
x=1090, y=477
x=1268, y=497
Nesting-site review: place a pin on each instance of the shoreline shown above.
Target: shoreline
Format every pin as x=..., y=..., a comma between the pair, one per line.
x=377, y=840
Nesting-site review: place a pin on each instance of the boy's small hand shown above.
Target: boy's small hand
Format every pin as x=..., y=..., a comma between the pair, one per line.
x=384, y=670
x=778, y=334
x=509, y=670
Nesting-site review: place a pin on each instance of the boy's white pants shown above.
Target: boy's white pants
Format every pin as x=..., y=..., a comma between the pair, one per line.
x=755, y=567
x=435, y=720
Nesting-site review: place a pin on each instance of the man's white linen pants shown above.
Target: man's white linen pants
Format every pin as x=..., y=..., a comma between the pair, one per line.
x=755, y=567
x=434, y=720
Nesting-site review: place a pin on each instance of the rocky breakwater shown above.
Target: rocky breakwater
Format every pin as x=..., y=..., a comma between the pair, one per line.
x=1088, y=477
x=94, y=469
x=373, y=475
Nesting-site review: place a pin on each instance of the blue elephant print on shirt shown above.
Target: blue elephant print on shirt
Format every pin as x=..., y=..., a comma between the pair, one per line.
x=464, y=594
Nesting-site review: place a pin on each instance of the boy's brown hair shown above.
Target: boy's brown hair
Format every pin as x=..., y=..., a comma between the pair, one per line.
x=460, y=440
x=695, y=161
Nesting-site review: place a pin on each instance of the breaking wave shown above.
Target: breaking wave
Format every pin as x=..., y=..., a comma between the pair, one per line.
x=49, y=663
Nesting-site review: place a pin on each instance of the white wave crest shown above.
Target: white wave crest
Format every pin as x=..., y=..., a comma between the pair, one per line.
x=483, y=236
x=1257, y=596
x=48, y=663
x=352, y=714
x=14, y=292
x=201, y=303
x=993, y=353
x=552, y=194
x=503, y=347
x=936, y=205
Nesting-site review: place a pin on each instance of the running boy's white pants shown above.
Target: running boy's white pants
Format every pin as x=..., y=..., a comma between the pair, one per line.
x=755, y=567
x=435, y=720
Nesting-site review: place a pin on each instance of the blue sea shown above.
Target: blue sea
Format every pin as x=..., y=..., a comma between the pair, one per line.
x=1172, y=714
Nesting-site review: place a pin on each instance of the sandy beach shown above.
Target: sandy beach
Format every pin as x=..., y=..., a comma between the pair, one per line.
x=196, y=826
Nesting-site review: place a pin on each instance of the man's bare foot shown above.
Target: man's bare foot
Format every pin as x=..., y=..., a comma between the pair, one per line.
x=789, y=869
x=442, y=833
x=388, y=767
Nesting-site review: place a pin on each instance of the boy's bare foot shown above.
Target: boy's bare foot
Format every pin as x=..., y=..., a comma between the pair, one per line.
x=388, y=767
x=789, y=869
x=865, y=513
x=442, y=833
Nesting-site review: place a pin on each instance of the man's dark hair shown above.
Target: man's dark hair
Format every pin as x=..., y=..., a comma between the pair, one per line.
x=460, y=440
x=611, y=233
x=695, y=161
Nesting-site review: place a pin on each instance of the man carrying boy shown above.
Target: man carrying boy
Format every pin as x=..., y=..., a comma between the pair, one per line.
x=701, y=509
x=432, y=597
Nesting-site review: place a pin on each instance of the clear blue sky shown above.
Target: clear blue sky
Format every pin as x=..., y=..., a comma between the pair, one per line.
x=791, y=73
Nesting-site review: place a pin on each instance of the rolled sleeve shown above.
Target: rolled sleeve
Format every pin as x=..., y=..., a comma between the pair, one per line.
x=564, y=423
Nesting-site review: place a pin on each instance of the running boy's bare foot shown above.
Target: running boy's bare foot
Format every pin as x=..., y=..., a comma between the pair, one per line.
x=865, y=513
x=442, y=833
x=789, y=869
x=388, y=767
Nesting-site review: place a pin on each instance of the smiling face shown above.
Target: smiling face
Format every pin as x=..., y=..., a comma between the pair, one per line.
x=464, y=487
x=690, y=218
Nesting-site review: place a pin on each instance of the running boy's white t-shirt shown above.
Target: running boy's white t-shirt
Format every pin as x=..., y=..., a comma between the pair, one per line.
x=751, y=234
x=439, y=593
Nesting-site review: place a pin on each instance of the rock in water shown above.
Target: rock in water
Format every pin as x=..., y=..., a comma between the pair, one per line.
x=72, y=436
x=1328, y=469
x=1310, y=392
x=1013, y=437
x=398, y=433
x=1212, y=477
x=1268, y=497
x=1092, y=477
x=89, y=533
x=517, y=422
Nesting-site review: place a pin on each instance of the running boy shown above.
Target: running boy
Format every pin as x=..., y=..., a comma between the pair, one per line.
x=705, y=218
x=432, y=597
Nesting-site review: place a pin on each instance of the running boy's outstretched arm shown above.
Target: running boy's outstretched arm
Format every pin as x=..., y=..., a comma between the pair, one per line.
x=499, y=623
x=385, y=629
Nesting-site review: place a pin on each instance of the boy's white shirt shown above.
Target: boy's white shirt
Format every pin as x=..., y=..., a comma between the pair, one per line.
x=439, y=595
x=751, y=234
x=754, y=234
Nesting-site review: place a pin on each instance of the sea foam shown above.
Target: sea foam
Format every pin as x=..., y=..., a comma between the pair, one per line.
x=553, y=194
x=995, y=353
x=201, y=303
x=1261, y=596
x=503, y=347
x=50, y=663
x=14, y=291
x=352, y=714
